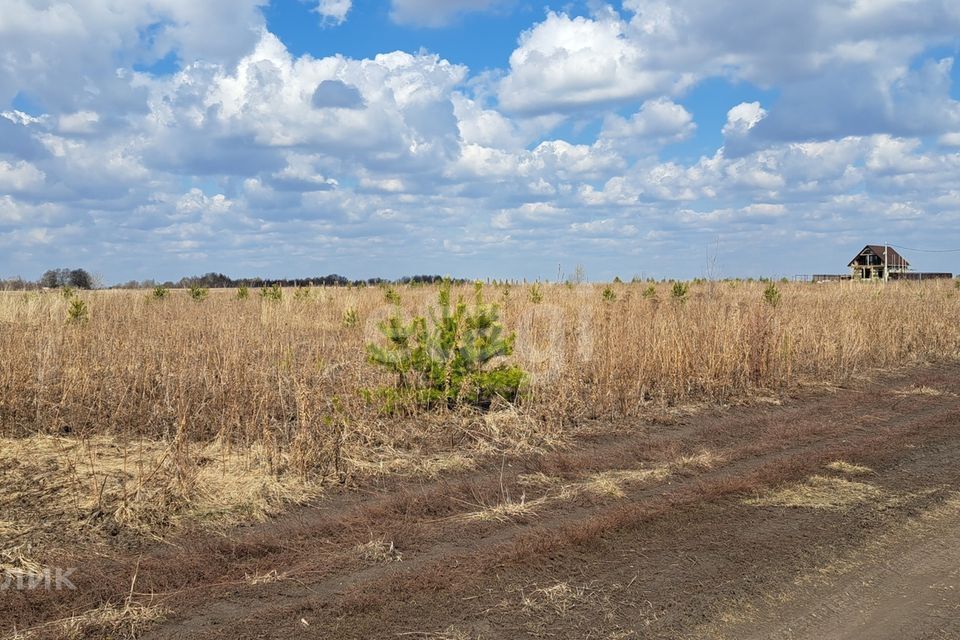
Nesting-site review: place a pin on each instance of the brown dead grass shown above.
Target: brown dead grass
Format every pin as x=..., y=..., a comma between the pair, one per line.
x=243, y=368
x=922, y=390
x=264, y=577
x=19, y=561
x=849, y=468
x=54, y=485
x=613, y=483
x=577, y=605
x=820, y=492
x=231, y=408
x=506, y=510
x=379, y=552
x=125, y=622
x=394, y=462
x=560, y=598
x=450, y=633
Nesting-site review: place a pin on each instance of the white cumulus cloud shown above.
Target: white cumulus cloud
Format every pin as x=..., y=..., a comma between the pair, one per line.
x=334, y=11
x=565, y=63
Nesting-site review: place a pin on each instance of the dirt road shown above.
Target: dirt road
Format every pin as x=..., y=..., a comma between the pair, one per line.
x=832, y=515
x=905, y=584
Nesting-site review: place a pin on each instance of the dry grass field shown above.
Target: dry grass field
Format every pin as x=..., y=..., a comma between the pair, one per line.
x=147, y=419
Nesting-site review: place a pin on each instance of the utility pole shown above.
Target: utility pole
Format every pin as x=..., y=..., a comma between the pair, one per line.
x=886, y=264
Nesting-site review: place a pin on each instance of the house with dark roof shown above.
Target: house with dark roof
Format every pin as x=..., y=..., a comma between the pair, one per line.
x=878, y=262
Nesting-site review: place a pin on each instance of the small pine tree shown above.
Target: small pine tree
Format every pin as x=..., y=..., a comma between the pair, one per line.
x=351, y=318
x=272, y=293
x=391, y=296
x=772, y=295
x=680, y=291
x=536, y=294
x=446, y=361
x=78, y=312
x=198, y=293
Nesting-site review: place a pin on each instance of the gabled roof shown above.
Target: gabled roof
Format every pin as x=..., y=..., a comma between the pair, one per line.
x=894, y=258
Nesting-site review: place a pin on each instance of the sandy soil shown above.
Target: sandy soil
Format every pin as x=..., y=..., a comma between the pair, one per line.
x=834, y=514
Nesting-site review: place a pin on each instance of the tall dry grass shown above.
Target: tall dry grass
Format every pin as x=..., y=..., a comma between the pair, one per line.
x=286, y=377
x=242, y=369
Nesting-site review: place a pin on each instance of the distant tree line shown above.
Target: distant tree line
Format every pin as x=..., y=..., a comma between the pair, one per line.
x=220, y=281
x=76, y=278
x=81, y=279
x=18, y=284
x=52, y=279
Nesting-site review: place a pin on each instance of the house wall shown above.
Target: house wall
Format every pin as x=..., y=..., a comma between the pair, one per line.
x=876, y=272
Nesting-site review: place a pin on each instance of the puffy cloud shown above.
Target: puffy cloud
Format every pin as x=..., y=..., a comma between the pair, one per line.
x=742, y=118
x=79, y=122
x=569, y=161
x=272, y=102
x=658, y=122
x=19, y=176
x=951, y=139
x=248, y=154
x=610, y=227
x=195, y=202
x=333, y=11
x=843, y=68
x=302, y=174
x=768, y=43
x=565, y=63
x=487, y=127
x=16, y=137
x=14, y=212
x=84, y=42
x=862, y=99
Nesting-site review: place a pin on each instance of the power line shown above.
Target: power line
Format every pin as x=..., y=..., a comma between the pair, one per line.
x=897, y=246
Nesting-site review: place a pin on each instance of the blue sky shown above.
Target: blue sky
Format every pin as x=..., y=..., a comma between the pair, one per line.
x=478, y=138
